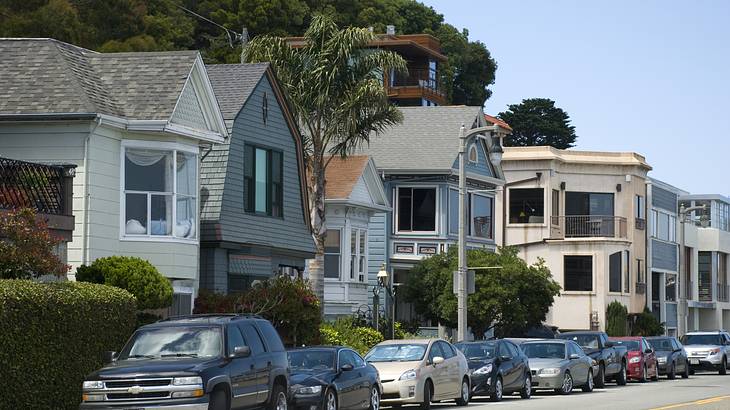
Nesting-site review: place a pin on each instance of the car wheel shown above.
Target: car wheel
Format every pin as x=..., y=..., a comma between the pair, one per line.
x=600, y=380
x=526, y=391
x=621, y=378
x=655, y=377
x=723, y=366
x=497, y=393
x=644, y=377
x=374, y=399
x=567, y=386
x=427, y=395
x=463, y=400
x=330, y=400
x=685, y=375
x=218, y=400
x=671, y=375
x=588, y=386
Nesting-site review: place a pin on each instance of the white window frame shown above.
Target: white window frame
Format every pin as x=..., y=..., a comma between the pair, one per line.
x=396, y=191
x=594, y=273
x=471, y=218
x=359, y=273
x=671, y=225
x=473, y=149
x=340, y=254
x=161, y=146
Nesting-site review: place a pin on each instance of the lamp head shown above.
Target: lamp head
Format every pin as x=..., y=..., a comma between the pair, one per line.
x=382, y=276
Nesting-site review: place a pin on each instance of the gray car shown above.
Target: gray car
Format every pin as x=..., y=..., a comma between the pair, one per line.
x=559, y=365
x=707, y=350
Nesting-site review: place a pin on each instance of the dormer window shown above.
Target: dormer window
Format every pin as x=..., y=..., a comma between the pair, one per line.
x=473, y=156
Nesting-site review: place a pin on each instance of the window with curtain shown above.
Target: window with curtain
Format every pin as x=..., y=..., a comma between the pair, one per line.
x=263, y=181
x=332, y=254
x=160, y=193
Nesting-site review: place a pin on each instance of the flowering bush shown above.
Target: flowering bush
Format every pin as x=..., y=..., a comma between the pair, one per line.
x=26, y=247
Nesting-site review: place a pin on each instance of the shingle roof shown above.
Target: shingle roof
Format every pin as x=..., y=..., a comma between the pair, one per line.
x=427, y=139
x=342, y=175
x=496, y=121
x=233, y=84
x=41, y=76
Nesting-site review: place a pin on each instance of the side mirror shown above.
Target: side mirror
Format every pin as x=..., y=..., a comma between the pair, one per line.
x=504, y=358
x=108, y=357
x=608, y=344
x=647, y=351
x=574, y=356
x=346, y=367
x=241, y=351
x=437, y=360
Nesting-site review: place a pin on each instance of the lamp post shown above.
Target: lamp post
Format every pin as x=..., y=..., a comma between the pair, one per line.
x=383, y=283
x=682, y=262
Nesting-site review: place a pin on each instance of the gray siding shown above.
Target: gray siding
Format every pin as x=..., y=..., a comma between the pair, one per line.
x=663, y=255
x=481, y=167
x=377, y=247
x=661, y=198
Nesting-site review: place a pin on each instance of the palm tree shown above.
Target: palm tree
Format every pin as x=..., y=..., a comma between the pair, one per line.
x=334, y=85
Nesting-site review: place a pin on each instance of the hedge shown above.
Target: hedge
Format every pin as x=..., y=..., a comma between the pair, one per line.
x=53, y=335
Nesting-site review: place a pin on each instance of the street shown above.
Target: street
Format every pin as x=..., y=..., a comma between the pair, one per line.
x=701, y=391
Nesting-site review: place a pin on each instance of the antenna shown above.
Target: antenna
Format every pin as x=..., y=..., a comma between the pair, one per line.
x=233, y=37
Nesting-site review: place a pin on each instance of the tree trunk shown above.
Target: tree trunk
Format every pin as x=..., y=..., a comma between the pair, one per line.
x=316, y=187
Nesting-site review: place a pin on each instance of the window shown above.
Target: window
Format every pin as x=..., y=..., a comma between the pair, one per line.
x=234, y=338
x=503, y=351
x=578, y=273
x=416, y=209
x=481, y=216
x=555, y=210
x=614, y=272
x=453, y=211
x=446, y=350
x=665, y=226
x=526, y=205
x=262, y=181
x=473, y=155
x=347, y=357
x=670, y=294
x=252, y=339
x=640, y=207
x=588, y=204
x=435, y=351
x=513, y=350
x=627, y=272
x=358, y=255
x=271, y=337
x=654, y=221
x=640, y=278
x=332, y=252
x=160, y=193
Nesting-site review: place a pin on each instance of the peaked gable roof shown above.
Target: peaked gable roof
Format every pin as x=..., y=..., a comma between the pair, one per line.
x=496, y=121
x=233, y=84
x=342, y=175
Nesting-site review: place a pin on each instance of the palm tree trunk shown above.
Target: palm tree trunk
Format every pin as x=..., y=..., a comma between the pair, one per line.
x=316, y=187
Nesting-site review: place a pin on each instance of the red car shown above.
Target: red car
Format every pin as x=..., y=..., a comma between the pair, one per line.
x=642, y=360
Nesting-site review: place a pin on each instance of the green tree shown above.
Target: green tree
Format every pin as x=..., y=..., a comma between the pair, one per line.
x=616, y=319
x=537, y=121
x=514, y=297
x=337, y=97
x=645, y=324
x=27, y=247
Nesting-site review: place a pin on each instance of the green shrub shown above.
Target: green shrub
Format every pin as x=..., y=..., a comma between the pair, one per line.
x=616, y=319
x=53, y=335
x=346, y=331
x=139, y=277
x=645, y=324
x=328, y=335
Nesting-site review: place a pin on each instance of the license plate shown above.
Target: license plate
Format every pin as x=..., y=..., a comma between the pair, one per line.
x=694, y=361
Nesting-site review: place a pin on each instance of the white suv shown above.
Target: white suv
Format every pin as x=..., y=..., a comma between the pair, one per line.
x=707, y=350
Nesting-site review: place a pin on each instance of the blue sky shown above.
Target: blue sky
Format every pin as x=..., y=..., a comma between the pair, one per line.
x=646, y=76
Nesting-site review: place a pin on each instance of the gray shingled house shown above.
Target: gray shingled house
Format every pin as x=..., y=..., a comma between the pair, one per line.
x=135, y=126
x=255, y=222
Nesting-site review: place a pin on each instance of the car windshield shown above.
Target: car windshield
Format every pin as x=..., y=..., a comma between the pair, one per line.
x=661, y=344
x=477, y=351
x=544, y=350
x=311, y=360
x=631, y=345
x=396, y=353
x=174, y=341
x=701, y=340
x=585, y=341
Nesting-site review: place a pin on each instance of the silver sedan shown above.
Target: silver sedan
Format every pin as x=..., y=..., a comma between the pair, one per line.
x=559, y=365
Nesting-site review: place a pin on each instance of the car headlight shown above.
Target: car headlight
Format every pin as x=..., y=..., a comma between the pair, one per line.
x=635, y=360
x=93, y=384
x=484, y=369
x=408, y=375
x=549, y=371
x=186, y=381
x=309, y=390
x=714, y=351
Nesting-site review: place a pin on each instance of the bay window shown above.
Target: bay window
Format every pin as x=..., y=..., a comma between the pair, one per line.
x=481, y=216
x=332, y=253
x=416, y=209
x=160, y=193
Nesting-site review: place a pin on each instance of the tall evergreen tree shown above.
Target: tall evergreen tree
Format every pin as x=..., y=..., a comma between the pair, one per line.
x=537, y=121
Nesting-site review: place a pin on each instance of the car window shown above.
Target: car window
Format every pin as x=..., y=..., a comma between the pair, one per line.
x=359, y=362
x=234, y=338
x=544, y=350
x=252, y=339
x=446, y=349
x=273, y=341
x=405, y=352
x=435, y=351
x=346, y=357
x=502, y=350
x=513, y=351
x=485, y=350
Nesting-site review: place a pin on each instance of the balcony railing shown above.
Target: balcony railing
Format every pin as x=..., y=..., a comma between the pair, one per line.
x=424, y=79
x=590, y=226
x=722, y=292
x=705, y=291
x=30, y=185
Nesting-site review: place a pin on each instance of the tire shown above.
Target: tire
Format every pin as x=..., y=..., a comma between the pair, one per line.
x=278, y=399
x=588, y=386
x=691, y=371
x=644, y=375
x=671, y=373
x=567, y=386
x=685, y=374
x=526, y=391
x=498, y=390
x=427, y=395
x=374, y=398
x=655, y=377
x=723, y=366
x=219, y=400
x=463, y=400
x=621, y=377
x=330, y=400
x=600, y=380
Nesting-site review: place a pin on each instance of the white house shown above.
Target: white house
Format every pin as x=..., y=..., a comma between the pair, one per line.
x=136, y=126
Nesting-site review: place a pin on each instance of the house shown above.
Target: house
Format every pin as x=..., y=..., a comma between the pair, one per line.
x=134, y=125
x=704, y=291
x=583, y=213
x=662, y=263
x=418, y=161
x=254, y=218
x=354, y=196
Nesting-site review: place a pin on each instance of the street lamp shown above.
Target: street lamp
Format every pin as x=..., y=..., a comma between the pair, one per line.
x=683, y=294
x=383, y=284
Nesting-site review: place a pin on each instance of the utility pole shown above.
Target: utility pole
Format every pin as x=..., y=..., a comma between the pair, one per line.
x=683, y=296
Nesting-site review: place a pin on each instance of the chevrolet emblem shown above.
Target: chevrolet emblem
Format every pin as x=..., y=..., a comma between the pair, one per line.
x=135, y=390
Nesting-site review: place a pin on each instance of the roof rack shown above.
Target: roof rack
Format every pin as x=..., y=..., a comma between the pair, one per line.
x=211, y=316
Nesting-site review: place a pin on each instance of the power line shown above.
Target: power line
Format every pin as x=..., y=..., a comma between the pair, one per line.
x=232, y=35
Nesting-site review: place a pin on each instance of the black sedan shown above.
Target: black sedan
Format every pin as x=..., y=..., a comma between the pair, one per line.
x=670, y=355
x=497, y=367
x=332, y=378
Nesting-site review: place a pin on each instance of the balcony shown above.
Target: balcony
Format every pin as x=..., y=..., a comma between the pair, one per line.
x=705, y=291
x=417, y=83
x=588, y=226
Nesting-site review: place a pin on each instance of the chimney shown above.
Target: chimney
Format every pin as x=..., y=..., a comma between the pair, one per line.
x=390, y=30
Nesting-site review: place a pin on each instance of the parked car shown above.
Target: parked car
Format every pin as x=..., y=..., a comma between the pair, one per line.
x=332, y=378
x=642, y=364
x=670, y=355
x=559, y=365
x=707, y=350
x=420, y=371
x=497, y=367
x=194, y=362
x=612, y=360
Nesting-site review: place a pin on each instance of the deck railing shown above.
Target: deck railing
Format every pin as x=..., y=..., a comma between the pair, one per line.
x=418, y=78
x=590, y=226
x=30, y=185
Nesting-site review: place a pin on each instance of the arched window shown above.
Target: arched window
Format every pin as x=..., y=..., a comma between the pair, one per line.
x=473, y=157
